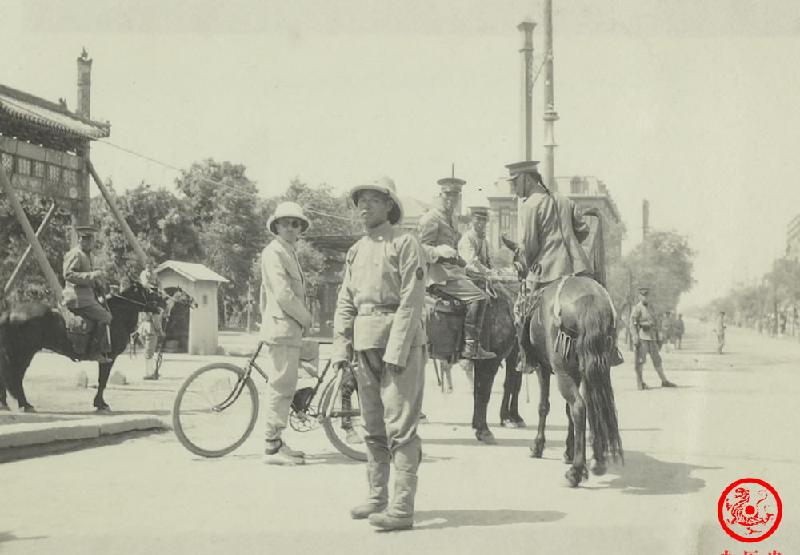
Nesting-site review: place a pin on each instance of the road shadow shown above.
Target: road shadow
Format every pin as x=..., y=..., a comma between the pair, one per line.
x=472, y=442
x=645, y=475
x=456, y=518
x=11, y=537
x=11, y=454
x=148, y=412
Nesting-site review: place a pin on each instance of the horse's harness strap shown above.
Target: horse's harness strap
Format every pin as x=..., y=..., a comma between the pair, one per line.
x=557, y=301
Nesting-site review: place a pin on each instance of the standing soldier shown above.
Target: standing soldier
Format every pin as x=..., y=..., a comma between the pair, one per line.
x=644, y=329
x=79, y=292
x=379, y=315
x=439, y=238
x=720, y=329
x=680, y=328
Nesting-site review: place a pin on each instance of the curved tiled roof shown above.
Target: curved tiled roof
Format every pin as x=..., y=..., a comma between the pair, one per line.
x=26, y=107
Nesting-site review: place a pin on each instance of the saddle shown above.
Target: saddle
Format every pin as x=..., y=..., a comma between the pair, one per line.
x=80, y=331
x=445, y=324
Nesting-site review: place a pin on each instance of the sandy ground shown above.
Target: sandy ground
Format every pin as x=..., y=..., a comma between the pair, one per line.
x=733, y=416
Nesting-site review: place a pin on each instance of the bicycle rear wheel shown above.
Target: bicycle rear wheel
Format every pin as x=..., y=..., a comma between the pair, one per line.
x=340, y=415
x=215, y=410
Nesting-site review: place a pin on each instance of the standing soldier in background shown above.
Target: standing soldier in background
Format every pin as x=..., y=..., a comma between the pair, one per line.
x=680, y=329
x=439, y=238
x=380, y=317
x=644, y=328
x=150, y=328
x=79, y=295
x=720, y=330
x=667, y=330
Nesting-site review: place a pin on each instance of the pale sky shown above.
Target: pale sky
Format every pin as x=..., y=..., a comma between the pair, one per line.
x=690, y=104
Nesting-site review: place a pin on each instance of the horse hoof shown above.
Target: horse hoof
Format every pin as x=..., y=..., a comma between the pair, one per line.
x=567, y=457
x=537, y=449
x=486, y=436
x=598, y=468
x=518, y=423
x=28, y=408
x=575, y=475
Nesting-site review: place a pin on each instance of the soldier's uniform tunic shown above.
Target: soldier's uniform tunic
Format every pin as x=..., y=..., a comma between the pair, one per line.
x=379, y=314
x=475, y=252
x=435, y=228
x=644, y=329
x=79, y=296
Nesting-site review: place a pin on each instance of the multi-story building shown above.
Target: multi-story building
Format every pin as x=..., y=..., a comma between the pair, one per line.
x=793, y=238
x=585, y=191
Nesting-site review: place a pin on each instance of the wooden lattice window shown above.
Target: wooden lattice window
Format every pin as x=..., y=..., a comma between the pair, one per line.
x=38, y=169
x=8, y=163
x=53, y=173
x=23, y=166
x=70, y=177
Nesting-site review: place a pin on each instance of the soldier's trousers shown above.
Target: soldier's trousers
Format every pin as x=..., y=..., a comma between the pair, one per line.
x=463, y=289
x=647, y=346
x=390, y=407
x=282, y=368
x=102, y=318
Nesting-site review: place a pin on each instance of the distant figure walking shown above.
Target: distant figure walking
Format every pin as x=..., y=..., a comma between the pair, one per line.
x=720, y=330
x=679, y=331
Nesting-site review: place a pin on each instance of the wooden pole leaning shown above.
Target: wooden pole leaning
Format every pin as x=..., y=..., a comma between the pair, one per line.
x=30, y=235
x=24, y=258
x=112, y=204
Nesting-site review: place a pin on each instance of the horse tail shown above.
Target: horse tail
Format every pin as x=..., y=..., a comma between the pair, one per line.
x=593, y=345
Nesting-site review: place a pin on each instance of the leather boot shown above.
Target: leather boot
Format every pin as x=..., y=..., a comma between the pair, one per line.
x=400, y=514
x=664, y=381
x=472, y=332
x=378, y=479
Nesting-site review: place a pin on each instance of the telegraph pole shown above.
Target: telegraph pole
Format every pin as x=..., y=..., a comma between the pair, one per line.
x=527, y=87
x=550, y=114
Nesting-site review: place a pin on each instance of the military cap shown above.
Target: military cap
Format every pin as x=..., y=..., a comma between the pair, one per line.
x=480, y=212
x=644, y=290
x=82, y=230
x=517, y=168
x=451, y=184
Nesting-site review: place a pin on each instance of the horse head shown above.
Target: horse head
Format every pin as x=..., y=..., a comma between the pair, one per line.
x=181, y=297
x=147, y=299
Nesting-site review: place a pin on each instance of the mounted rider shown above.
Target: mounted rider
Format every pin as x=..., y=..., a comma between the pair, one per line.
x=473, y=247
x=439, y=238
x=79, y=295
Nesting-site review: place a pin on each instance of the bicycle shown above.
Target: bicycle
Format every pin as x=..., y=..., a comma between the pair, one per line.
x=211, y=417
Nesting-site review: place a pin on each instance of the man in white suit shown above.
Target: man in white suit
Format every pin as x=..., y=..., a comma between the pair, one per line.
x=285, y=318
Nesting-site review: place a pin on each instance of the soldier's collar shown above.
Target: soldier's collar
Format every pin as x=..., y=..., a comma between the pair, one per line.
x=383, y=231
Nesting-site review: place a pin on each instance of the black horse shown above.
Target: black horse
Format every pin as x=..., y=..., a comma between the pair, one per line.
x=30, y=327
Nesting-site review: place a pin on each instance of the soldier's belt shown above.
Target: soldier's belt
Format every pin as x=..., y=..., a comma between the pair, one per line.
x=367, y=309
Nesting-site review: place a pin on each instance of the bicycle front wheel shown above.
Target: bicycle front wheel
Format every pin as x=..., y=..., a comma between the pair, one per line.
x=215, y=410
x=340, y=414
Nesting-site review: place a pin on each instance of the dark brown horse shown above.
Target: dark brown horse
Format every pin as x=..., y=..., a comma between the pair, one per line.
x=499, y=336
x=28, y=328
x=571, y=334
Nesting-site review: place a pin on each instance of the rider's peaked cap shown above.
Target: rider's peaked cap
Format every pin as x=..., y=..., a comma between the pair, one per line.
x=529, y=166
x=644, y=290
x=480, y=212
x=287, y=210
x=82, y=230
x=386, y=186
x=451, y=184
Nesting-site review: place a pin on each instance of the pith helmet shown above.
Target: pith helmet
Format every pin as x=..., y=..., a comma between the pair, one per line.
x=287, y=210
x=386, y=186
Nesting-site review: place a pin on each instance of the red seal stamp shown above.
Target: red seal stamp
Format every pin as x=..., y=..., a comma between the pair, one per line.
x=749, y=510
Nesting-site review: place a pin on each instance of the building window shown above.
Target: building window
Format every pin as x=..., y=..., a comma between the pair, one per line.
x=38, y=169
x=8, y=163
x=53, y=173
x=578, y=186
x=23, y=166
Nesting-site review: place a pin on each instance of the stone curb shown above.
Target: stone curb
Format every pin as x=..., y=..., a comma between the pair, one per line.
x=22, y=435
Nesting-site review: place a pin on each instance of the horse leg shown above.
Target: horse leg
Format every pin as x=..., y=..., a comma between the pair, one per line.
x=509, y=409
x=571, y=392
x=104, y=371
x=569, y=450
x=3, y=399
x=17, y=367
x=544, y=409
x=485, y=371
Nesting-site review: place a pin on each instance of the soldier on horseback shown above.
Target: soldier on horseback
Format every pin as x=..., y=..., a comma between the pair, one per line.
x=79, y=294
x=439, y=238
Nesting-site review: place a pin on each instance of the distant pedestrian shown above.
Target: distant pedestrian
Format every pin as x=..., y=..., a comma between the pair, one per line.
x=150, y=327
x=720, y=330
x=285, y=319
x=680, y=329
x=646, y=340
